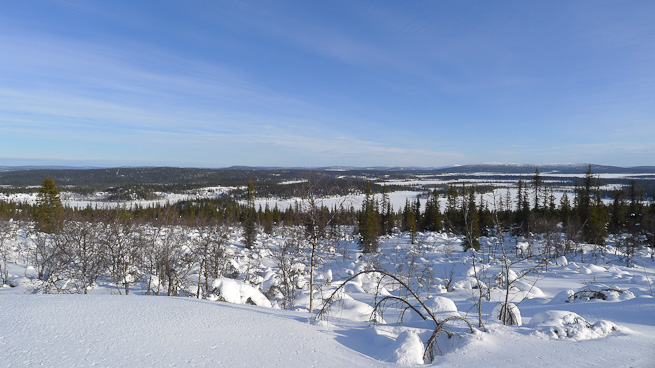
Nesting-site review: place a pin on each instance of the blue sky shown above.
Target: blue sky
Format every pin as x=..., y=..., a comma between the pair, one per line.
x=317, y=83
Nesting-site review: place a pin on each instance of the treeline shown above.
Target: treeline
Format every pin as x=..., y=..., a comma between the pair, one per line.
x=583, y=214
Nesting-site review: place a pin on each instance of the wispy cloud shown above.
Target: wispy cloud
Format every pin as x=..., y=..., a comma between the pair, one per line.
x=115, y=97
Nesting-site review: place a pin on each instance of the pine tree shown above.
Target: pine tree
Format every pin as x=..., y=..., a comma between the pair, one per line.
x=48, y=212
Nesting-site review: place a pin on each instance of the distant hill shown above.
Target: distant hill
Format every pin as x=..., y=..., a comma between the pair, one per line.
x=239, y=175
x=110, y=177
x=22, y=168
x=547, y=168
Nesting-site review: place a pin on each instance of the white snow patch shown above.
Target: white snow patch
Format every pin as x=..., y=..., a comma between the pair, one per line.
x=238, y=292
x=410, y=348
x=565, y=324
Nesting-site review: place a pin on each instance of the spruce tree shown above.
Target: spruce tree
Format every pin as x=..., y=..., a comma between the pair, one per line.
x=249, y=230
x=536, y=183
x=432, y=217
x=386, y=216
x=48, y=213
x=369, y=223
x=522, y=208
x=406, y=214
x=565, y=209
x=635, y=210
x=590, y=210
x=618, y=212
x=471, y=221
x=452, y=215
x=598, y=219
x=583, y=197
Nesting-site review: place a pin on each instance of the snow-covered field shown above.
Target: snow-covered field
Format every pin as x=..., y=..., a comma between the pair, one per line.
x=105, y=329
x=100, y=199
x=114, y=331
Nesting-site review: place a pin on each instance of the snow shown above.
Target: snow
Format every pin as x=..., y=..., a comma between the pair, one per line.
x=115, y=331
x=238, y=292
x=410, y=349
x=569, y=325
x=100, y=199
x=103, y=329
x=442, y=307
x=512, y=309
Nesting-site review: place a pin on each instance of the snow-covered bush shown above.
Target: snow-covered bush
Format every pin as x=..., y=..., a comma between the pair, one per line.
x=508, y=313
x=237, y=292
x=565, y=324
x=600, y=292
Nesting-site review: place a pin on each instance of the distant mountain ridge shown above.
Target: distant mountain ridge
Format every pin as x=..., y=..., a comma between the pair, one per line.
x=238, y=175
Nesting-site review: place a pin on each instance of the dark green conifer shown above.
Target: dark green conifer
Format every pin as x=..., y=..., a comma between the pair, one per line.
x=48, y=213
x=249, y=229
x=369, y=223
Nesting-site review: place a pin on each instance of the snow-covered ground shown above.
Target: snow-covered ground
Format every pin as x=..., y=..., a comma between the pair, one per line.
x=556, y=329
x=100, y=199
x=114, y=331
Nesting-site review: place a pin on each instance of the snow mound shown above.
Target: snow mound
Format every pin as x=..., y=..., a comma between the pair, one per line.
x=569, y=325
x=562, y=261
x=410, y=349
x=443, y=306
x=523, y=246
x=237, y=292
x=354, y=310
x=530, y=288
x=31, y=272
x=564, y=296
x=354, y=287
x=594, y=268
